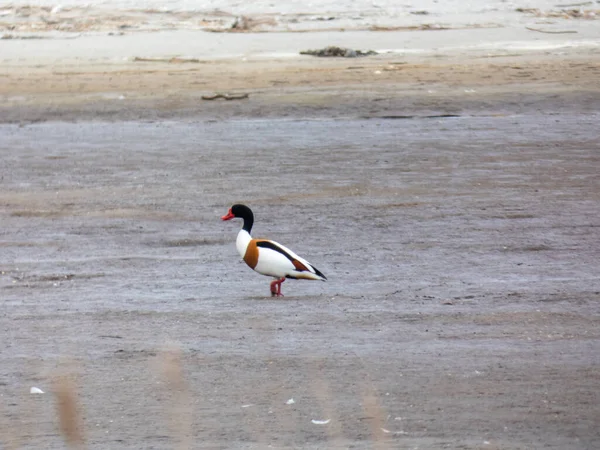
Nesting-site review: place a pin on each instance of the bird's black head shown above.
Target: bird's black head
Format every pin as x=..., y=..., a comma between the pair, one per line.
x=242, y=212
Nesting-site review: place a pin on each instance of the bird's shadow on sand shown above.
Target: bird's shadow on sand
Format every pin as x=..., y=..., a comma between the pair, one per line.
x=284, y=298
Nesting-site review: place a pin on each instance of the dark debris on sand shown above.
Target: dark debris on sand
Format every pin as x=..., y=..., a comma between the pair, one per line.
x=339, y=52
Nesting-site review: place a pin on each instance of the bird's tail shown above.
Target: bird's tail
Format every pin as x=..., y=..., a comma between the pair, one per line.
x=319, y=274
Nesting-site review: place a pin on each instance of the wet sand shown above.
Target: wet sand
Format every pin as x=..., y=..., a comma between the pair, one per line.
x=452, y=201
x=462, y=306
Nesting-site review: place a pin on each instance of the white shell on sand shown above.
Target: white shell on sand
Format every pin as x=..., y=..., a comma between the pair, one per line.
x=35, y=390
x=320, y=422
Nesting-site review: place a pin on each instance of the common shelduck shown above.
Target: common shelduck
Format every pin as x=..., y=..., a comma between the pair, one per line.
x=268, y=257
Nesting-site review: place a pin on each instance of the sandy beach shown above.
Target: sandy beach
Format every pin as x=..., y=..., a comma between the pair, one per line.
x=447, y=186
x=496, y=58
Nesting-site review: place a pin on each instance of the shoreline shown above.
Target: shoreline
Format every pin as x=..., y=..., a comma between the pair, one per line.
x=412, y=45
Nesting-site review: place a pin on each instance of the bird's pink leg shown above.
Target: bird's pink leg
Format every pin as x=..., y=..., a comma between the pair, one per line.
x=276, y=287
x=279, y=294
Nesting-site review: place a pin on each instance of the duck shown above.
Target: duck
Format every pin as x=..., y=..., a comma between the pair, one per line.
x=268, y=257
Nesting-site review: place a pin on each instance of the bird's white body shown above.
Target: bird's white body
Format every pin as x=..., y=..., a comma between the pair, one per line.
x=275, y=263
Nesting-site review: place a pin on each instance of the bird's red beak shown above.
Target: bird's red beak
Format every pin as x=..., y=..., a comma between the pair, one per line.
x=228, y=216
